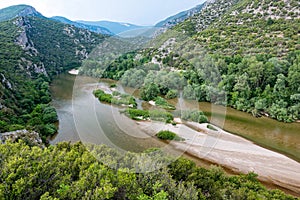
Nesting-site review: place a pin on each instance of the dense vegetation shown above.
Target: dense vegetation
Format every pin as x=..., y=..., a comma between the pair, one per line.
x=21, y=93
x=244, y=56
x=26, y=69
x=69, y=171
x=191, y=115
x=116, y=98
x=156, y=115
x=162, y=103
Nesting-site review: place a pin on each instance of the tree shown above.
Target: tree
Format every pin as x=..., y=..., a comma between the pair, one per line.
x=149, y=92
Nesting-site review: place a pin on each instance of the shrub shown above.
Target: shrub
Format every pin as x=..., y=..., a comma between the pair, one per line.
x=158, y=115
x=162, y=103
x=168, y=135
x=211, y=127
x=113, y=85
x=194, y=115
x=172, y=94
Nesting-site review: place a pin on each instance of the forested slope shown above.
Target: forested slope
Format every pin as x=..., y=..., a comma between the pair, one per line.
x=240, y=53
x=69, y=171
x=33, y=50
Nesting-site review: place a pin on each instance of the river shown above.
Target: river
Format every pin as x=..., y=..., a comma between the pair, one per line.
x=83, y=117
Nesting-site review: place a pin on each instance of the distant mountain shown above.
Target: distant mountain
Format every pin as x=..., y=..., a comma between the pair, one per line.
x=180, y=17
x=26, y=10
x=93, y=28
x=114, y=27
x=18, y=11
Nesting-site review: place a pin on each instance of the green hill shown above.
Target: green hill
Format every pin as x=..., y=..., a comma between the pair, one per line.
x=240, y=53
x=33, y=50
x=255, y=27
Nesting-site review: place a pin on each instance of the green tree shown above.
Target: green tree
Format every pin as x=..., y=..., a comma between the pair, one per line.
x=149, y=92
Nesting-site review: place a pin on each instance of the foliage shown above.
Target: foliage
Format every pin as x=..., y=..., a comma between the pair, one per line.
x=26, y=71
x=168, y=135
x=162, y=103
x=70, y=171
x=116, y=98
x=156, y=115
x=211, y=127
x=137, y=114
x=192, y=115
x=149, y=91
x=133, y=78
x=172, y=94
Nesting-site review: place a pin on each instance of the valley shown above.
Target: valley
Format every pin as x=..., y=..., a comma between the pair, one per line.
x=77, y=107
x=219, y=82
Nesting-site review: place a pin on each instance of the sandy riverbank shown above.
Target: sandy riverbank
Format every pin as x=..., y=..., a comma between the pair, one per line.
x=233, y=152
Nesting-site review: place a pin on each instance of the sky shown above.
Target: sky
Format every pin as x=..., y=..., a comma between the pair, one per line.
x=141, y=12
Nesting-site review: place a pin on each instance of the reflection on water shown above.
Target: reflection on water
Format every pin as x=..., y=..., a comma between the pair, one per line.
x=85, y=118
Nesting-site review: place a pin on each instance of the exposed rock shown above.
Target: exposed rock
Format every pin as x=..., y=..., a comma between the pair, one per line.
x=22, y=40
x=29, y=11
x=32, y=138
x=5, y=82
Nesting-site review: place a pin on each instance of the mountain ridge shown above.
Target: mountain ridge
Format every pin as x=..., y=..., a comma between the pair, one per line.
x=180, y=17
x=93, y=28
x=114, y=27
x=18, y=11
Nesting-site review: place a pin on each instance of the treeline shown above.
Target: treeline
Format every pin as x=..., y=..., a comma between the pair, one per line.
x=258, y=84
x=255, y=84
x=69, y=171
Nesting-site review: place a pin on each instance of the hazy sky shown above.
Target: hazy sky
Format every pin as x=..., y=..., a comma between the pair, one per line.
x=143, y=12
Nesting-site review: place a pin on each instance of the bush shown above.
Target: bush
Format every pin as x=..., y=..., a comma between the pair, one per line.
x=156, y=115
x=192, y=115
x=116, y=98
x=211, y=127
x=137, y=114
x=168, y=135
x=113, y=85
x=15, y=127
x=172, y=94
x=162, y=103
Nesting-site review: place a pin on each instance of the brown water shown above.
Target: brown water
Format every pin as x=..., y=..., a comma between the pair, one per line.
x=278, y=136
x=83, y=117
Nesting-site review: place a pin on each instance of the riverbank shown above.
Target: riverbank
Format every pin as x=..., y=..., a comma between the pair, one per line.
x=233, y=152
